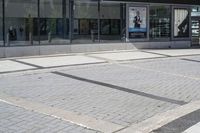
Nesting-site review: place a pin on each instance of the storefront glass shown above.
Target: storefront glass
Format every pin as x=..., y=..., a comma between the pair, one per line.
x=110, y=22
x=181, y=23
x=54, y=21
x=1, y=24
x=21, y=22
x=160, y=22
x=85, y=21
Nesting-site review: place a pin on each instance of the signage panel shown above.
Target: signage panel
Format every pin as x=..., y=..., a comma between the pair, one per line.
x=137, y=22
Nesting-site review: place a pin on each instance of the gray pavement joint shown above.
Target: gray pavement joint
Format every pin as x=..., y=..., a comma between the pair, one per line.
x=151, y=96
x=29, y=64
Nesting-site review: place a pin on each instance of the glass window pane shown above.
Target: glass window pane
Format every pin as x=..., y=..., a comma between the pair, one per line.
x=181, y=23
x=54, y=21
x=85, y=21
x=20, y=22
x=1, y=24
x=160, y=22
x=110, y=22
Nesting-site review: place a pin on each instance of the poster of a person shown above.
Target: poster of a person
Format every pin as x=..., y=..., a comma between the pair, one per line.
x=137, y=20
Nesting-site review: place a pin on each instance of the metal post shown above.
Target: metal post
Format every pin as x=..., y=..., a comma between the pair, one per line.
x=71, y=24
x=38, y=21
x=49, y=37
x=64, y=18
x=8, y=39
x=3, y=29
x=121, y=20
x=99, y=15
x=30, y=38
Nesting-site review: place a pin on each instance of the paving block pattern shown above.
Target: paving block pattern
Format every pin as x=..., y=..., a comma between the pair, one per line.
x=17, y=120
x=89, y=99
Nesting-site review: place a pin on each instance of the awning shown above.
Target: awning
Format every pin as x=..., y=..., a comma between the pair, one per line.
x=188, y=2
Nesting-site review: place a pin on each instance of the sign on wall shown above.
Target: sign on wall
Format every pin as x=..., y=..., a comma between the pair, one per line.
x=181, y=23
x=137, y=22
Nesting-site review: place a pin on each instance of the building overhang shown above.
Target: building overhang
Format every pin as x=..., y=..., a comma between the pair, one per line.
x=188, y=2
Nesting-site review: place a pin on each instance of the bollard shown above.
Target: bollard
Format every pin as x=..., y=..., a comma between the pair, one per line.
x=49, y=37
x=92, y=36
x=30, y=38
x=8, y=39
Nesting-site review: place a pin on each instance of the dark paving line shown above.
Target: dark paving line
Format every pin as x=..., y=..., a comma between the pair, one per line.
x=25, y=63
x=156, y=53
x=74, y=65
x=181, y=124
x=39, y=67
x=191, y=60
x=18, y=71
x=122, y=89
x=170, y=55
x=128, y=60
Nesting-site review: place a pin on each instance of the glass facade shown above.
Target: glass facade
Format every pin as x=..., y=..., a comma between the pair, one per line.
x=1, y=23
x=85, y=21
x=160, y=22
x=52, y=22
x=110, y=22
x=20, y=22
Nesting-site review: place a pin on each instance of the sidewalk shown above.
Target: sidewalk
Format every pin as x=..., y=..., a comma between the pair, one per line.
x=108, y=92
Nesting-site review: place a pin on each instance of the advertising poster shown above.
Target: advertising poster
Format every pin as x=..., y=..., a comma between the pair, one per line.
x=181, y=23
x=137, y=22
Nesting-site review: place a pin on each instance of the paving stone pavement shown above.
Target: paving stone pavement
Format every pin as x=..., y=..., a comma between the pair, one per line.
x=170, y=84
x=155, y=79
x=77, y=96
x=17, y=120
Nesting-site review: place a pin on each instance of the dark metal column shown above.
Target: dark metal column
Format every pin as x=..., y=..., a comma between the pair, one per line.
x=99, y=15
x=38, y=21
x=3, y=29
x=71, y=20
x=121, y=20
x=64, y=13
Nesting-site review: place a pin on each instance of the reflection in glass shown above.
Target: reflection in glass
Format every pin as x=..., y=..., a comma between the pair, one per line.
x=85, y=22
x=159, y=22
x=181, y=23
x=105, y=27
x=20, y=22
x=54, y=22
x=110, y=22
